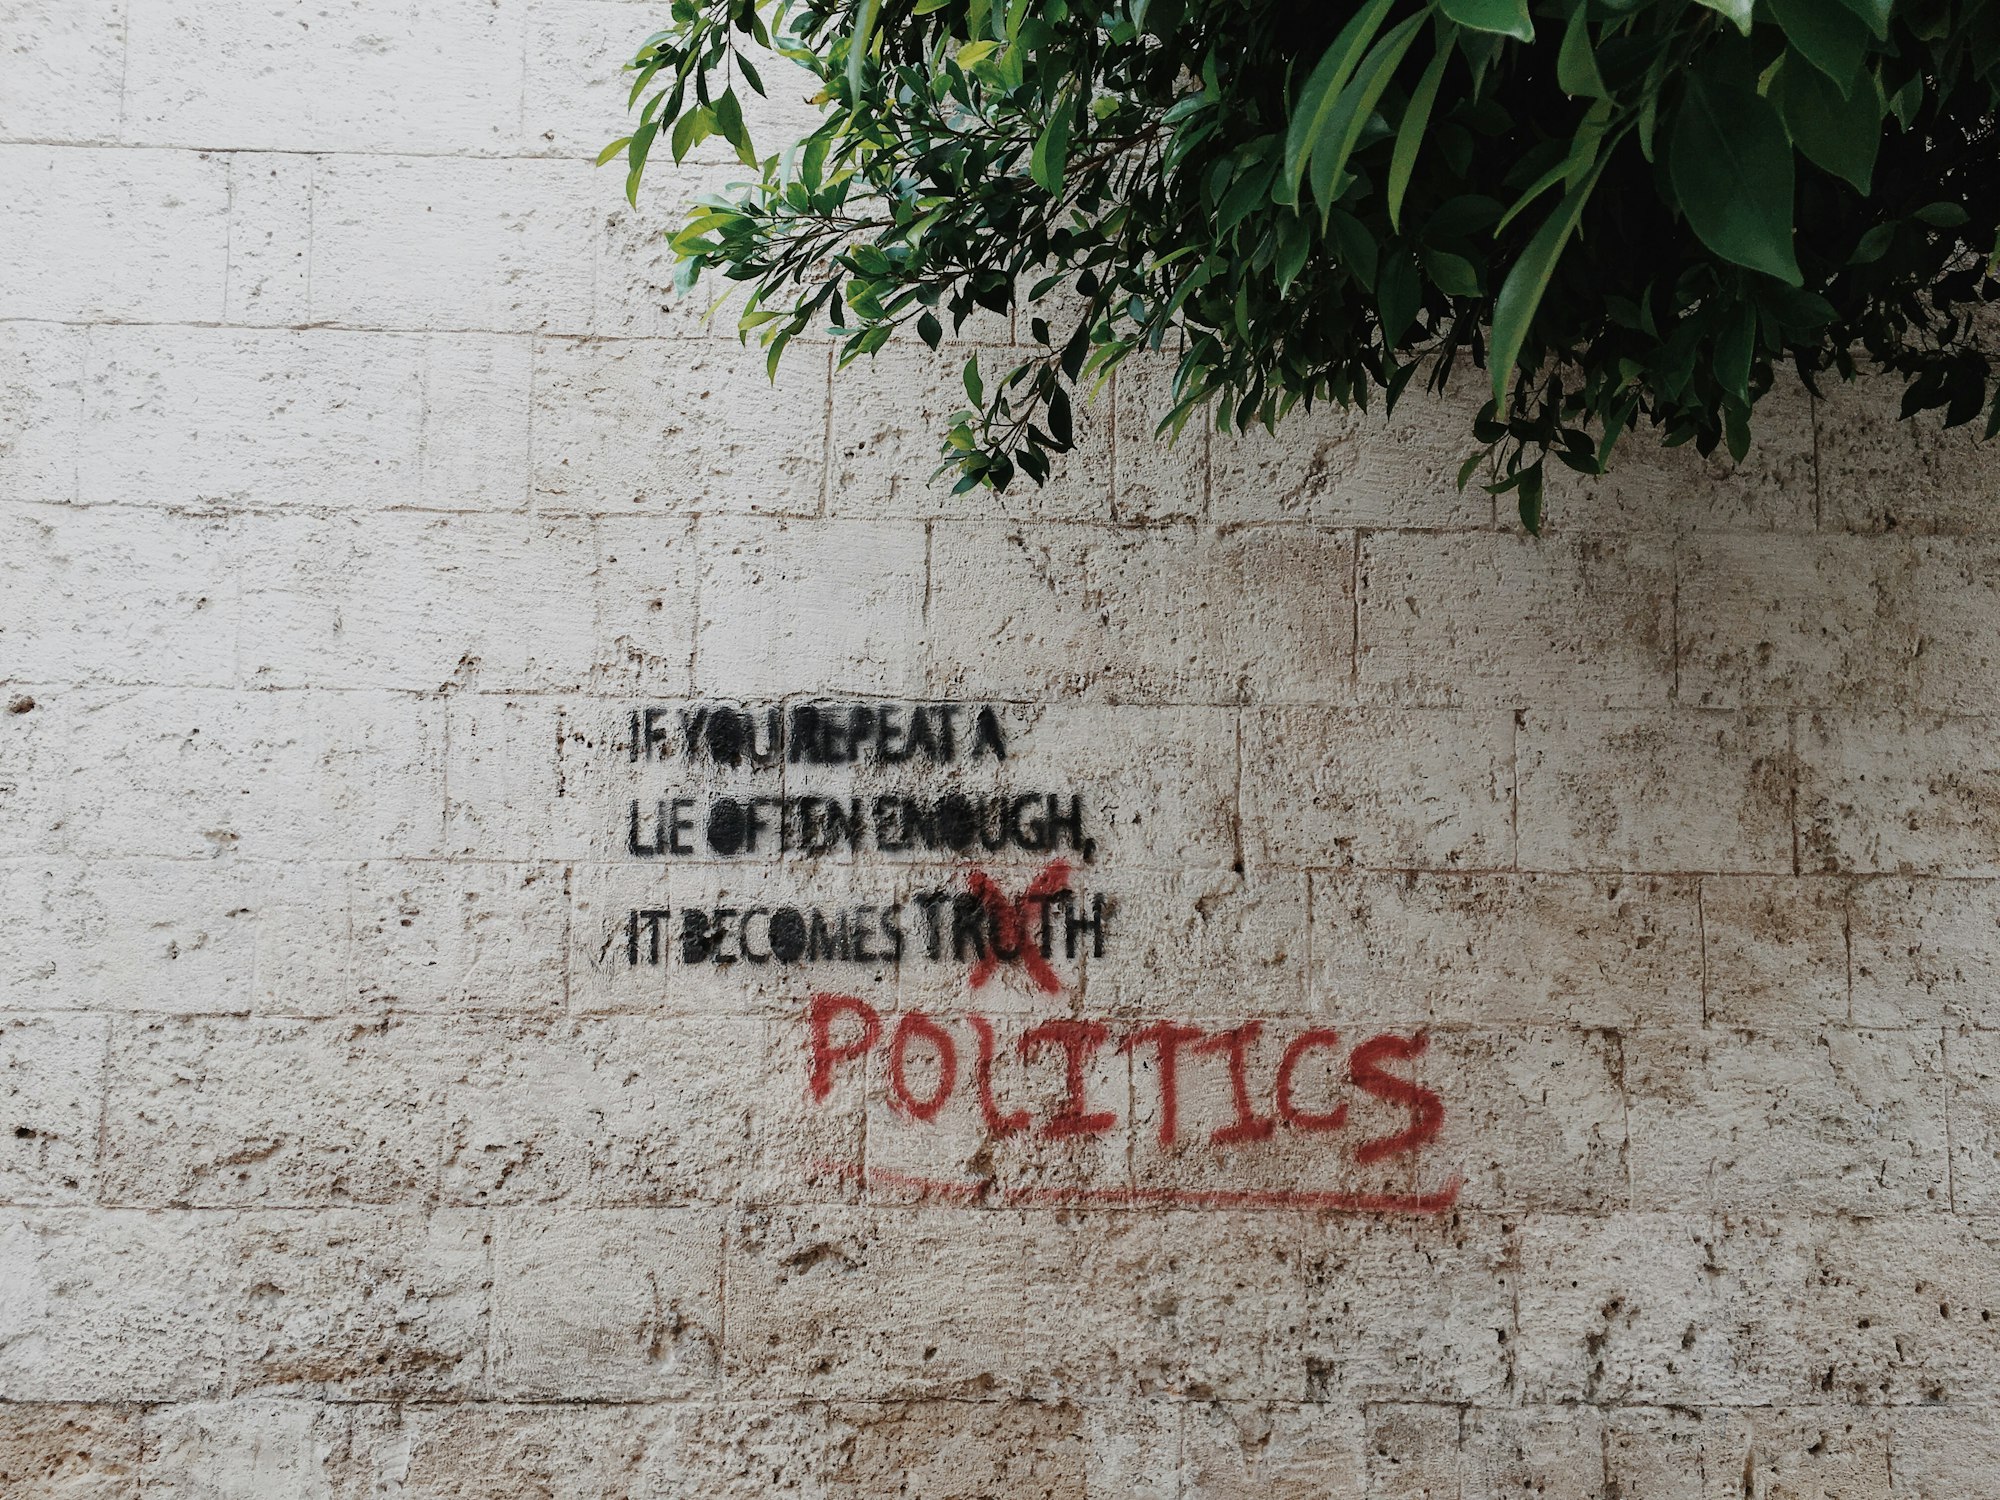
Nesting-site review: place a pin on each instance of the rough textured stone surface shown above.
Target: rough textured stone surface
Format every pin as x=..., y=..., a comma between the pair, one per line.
x=361, y=474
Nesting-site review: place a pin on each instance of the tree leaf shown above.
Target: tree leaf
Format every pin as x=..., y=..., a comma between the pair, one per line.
x=857, y=45
x=1359, y=253
x=691, y=129
x=1322, y=93
x=1731, y=165
x=1737, y=11
x=1874, y=12
x=729, y=124
x=1831, y=39
x=1521, y=293
x=1336, y=142
x=1576, y=64
x=1943, y=215
x=1873, y=245
x=1501, y=17
x=1838, y=135
x=1051, y=152
x=1531, y=498
x=1410, y=134
x=1399, y=293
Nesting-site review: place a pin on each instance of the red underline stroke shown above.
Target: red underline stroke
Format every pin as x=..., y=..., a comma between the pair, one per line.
x=1435, y=1202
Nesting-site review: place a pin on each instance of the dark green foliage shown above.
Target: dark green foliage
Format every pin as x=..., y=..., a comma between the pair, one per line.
x=1629, y=211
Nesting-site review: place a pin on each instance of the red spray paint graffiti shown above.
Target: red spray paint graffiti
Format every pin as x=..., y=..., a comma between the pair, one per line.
x=1306, y=1098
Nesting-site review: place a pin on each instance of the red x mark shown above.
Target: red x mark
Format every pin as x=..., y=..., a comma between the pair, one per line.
x=1010, y=925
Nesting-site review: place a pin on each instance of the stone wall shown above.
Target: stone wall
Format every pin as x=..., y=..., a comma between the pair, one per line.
x=1513, y=1017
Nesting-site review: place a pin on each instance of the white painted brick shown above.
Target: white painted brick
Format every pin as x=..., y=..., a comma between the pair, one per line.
x=1413, y=1450
x=116, y=596
x=1972, y=1084
x=651, y=427
x=230, y=936
x=1902, y=794
x=1156, y=479
x=1553, y=1451
x=1670, y=1308
x=646, y=611
x=33, y=805
x=928, y=1449
x=634, y=1111
x=1341, y=468
x=251, y=419
x=1654, y=791
x=351, y=1303
x=1655, y=1454
x=1776, y=952
x=1534, y=1117
x=270, y=238
x=62, y=72
x=476, y=423
x=108, y=1307
x=809, y=607
x=1135, y=1450
x=41, y=410
x=1806, y=1450
x=1924, y=951
x=1895, y=1310
x=1202, y=941
x=417, y=602
x=242, y=1450
x=99, y=233
x=534, y=778
x=197, y=773
x=1936, y=1451
x=119, y=934
x=441, y=76
x=1655, y=488
x=441, y=242
x=634, y=271
x=1840, y=620
x=1113, y=1309
x=889, y=414
x=302, y=959
x=1402, y=1308
x=804, y=1286
x=430, y=936
x=621, y=1304
x=576, y=82
x=1176, y=615
x=313, y=894
x=1280, y=1452
x=1858, y=1126
x=1346, y=788
x=1489, y=618
x=213, y=1111
x=1487, y=950
x=51, y=1096
x=1878, y=473
x=70, y=1452
x=576, y=87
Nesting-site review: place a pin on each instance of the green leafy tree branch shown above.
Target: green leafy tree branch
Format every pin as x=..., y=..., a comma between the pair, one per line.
x=1630, y=213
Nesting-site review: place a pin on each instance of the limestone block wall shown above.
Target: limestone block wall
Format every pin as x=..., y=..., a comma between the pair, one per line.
x=1235, y=974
